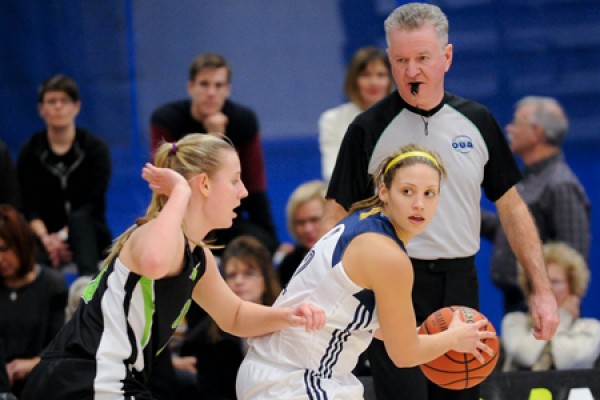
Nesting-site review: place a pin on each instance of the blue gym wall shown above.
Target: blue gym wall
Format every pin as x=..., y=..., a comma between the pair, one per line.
x=289, y=58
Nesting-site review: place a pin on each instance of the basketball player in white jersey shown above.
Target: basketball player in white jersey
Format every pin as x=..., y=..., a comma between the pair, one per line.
x=360, y=274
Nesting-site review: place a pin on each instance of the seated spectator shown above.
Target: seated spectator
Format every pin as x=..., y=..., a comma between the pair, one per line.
x=368, y=80
x=63, y=173
x=209, y=110
x=9, y=186
x=32, y=299
x=304, y=210
x=247, y=268
x=576, y=343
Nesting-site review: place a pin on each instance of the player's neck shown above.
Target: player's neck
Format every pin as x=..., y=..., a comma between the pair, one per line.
x=195, y=224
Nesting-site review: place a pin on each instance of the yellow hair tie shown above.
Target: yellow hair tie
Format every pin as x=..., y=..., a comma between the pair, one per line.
x=403, y=156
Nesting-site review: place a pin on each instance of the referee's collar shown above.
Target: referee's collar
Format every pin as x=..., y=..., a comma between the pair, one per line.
x=425, y=113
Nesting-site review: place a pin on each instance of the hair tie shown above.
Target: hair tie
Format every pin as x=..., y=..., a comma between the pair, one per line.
x=174, y=148
x=411, y=154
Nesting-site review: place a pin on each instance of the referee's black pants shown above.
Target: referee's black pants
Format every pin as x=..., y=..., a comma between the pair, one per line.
x=437, y=283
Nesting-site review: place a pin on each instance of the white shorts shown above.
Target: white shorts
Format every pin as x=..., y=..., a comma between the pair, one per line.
x=260, y=379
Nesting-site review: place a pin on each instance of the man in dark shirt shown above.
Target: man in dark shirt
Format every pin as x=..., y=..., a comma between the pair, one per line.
x=558, y=202
x=209, y=110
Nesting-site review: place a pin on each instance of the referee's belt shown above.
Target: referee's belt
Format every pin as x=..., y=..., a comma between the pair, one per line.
x=444, y=264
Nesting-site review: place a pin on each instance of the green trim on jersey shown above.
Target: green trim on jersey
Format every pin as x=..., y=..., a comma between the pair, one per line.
x=147, y=286
x=90, y=289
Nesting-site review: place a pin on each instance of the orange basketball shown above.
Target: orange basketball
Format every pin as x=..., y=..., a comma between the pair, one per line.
x=455, y=370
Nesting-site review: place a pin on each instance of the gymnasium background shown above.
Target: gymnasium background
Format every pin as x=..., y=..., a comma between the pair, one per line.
x=288, y=59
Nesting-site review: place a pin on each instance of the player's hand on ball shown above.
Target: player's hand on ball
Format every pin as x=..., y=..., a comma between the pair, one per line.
x=470, y=336
x=474, y=355
x=308, y=315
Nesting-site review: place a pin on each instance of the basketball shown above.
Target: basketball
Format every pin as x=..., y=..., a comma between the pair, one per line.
x=455, y=370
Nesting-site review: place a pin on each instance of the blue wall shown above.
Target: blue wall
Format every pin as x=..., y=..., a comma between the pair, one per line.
x=288, y=58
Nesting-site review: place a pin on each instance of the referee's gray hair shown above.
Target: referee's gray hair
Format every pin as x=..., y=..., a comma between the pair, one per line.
x=416, y=15
x=549, y=115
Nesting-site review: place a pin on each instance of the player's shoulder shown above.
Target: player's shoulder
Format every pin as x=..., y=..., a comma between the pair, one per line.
x=372, y=221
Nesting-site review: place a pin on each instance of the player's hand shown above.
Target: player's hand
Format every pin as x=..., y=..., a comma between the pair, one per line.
x=308, y=315
x=470, y=336
x=544, y=312
x=162, y=180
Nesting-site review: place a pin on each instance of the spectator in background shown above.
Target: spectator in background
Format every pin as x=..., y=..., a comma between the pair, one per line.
x=209, y=110
x=9, y=185
x=248, y=271
x=558, y=202
x=64, y=172
x=304, y=211
x=576, y=343
x=32, y=299
x=368, y=80
x=476, y=154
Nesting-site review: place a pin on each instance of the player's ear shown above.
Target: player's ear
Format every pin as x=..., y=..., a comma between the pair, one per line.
x=383, y=192
x=202, y=183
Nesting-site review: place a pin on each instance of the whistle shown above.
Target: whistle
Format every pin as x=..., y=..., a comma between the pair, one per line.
x=414, y=88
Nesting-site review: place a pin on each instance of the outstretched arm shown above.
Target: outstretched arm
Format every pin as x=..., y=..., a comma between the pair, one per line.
x=246, y=319
x=524, y=240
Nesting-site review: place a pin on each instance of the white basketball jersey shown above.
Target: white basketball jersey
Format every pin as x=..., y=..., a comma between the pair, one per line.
x=351, y=314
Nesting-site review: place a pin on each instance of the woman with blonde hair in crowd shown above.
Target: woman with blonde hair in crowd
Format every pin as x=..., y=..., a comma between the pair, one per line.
x=304, y=210
x=576, y=343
